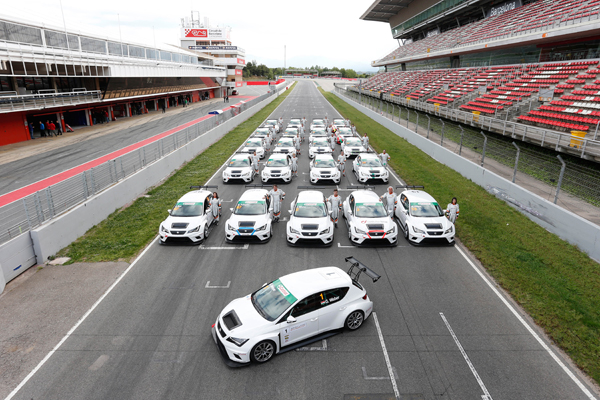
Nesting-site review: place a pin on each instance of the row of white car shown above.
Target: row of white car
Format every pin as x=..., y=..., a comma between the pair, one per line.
x=419, y=216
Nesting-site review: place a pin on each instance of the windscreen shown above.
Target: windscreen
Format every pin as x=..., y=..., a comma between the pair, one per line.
x=345, y=132
x=318, y=122
x=262, y=131
x=320, y=143
x=426, y=210
x=271, y=122
x=187, y=209
x=272, y=300
x=239, y=162
x=353, y=142
x=277, y=162
x=295, y=122
x=326, y=163
x=370, y=210
x=370, y=162
x=254, y=143
x=319, y=132
x=310, y=210
x=251, y=207
x=291, y=131
x=285, y=143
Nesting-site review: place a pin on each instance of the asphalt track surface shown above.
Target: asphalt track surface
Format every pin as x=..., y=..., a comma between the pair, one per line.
x=23, y=172
x=149, y=338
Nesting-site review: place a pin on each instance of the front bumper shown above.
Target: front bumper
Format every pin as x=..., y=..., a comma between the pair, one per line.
x=285, y=176
x=315, y=178
x=325, y=239
x=195, y=237
x=364, y=178
x=237, y=177
x=234, y=235
x=389, y=239
x=427, y=238
x=233, y=356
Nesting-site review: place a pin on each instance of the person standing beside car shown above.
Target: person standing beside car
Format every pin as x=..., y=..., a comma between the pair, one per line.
x=365, y=142
x=335, y=202
x=277, y=197
x=254, y=161
x=342, y=163
x=297, y=142
x=390, y=200
x=215, y=207
x=385, y=157
x=294, y=164
x=452, y=210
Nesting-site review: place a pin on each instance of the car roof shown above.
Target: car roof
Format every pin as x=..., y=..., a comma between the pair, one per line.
x=311, y=281
x=355, y=139
x=194, y=195
x=365, y=195
x=254, y=194
x=368, y=155
x=277, y=155
x=309, y=195
x=419, y=195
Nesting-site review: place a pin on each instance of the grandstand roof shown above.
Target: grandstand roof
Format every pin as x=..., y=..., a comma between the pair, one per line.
x=383, y=10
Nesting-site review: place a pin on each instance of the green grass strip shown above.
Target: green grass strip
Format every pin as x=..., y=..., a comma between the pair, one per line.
x=556, y=283
x=127, y=231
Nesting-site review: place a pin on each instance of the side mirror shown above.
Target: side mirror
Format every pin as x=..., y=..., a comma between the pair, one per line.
x=290, y=211
x=291, y=320
x=231, y=209
x=169, y=211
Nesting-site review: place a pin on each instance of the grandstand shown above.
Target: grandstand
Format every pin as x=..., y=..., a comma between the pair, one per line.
x=532, y=62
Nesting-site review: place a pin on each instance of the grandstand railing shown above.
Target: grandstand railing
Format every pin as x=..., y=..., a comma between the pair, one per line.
x=583, y=147
x=9, y=103
x=462, y=133
x=41, y=207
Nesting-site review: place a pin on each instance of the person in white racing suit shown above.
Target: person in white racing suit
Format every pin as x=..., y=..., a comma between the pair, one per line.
x=385, y=157
x=365, y=142
x=390, y=200
x=342, y=163
x=215, y=207
x=297, y=142
x=277, y=197
x=294, y=162
x=452, y=210
x=335, y=205
x=332, y=142
x=254, y=160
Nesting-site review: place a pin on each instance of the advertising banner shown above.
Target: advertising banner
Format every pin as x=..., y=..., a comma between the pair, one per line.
x=504, y=7
x=238, y=72
x=195, y=33
x=241, y=61
x=212, y=47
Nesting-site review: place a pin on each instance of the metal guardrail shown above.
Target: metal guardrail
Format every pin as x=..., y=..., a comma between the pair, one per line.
x=466, y=139
x=42, y=100
x=582, y=147
x=38, y=208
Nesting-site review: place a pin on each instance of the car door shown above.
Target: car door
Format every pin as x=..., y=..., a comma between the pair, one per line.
x=356, y=164
x=403, y=210
x=306, y=314
x=207, y=211
x=332, y=311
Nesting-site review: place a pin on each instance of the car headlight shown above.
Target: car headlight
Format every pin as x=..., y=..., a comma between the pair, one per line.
x=237, y=341
x=163, y=229
x=196, y=229
x=447, y=231
x=294, y=231
x=231, y=228
x=265, y=173
x=247, y=173
x=391, y=230
x=262, y=228
x=417, y=230
x=359, y=231
x=225, y=174
x=324, y=231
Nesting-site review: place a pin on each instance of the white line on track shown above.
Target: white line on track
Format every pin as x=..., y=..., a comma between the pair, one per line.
x=529, y=328
x=41, y=363
x=486, y=394
x=208, y=286
x=244, y=247
x=341, y=245
x=387, y=357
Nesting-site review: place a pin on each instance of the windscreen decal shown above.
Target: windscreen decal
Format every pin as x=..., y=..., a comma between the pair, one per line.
x=283, y=290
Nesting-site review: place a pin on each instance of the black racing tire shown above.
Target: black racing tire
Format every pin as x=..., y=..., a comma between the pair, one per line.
x=263, y=352
x=354, y=320
x=205, y=231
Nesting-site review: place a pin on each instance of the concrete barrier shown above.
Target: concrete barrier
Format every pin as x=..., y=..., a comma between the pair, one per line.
x=63, y=230
x=565, y=224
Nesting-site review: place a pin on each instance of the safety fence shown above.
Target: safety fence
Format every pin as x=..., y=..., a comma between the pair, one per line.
x=532, y=167
x=42, y=206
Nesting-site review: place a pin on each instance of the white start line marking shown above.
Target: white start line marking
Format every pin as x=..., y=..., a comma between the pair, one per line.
x=244, y=247
x=208, y=286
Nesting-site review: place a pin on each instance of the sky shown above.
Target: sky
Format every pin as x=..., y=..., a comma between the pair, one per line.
x=327, y=33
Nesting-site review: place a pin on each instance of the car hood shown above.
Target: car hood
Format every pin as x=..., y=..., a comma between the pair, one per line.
x=243, y=169
x=430, y=223
x=371, y=170
x=325, y=170
x=297, y=223
x=258, y=220
x=269, y=169
x=362, y=223
x=251, y=322
x=252, y=148
x=191, y=222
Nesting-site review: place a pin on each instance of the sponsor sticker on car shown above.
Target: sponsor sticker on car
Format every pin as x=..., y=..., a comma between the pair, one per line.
x=284, y=291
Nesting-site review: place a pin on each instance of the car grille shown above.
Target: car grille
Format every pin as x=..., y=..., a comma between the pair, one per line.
x=435, y=233
x=309, y=233
x=375, y=234
x=327, y=175
x=433, y=226
x=179, y=225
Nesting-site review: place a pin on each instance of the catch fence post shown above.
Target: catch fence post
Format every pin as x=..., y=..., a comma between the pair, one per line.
x=462, y=132
x=484, y=146
x=560, y=177
x=443, y=128
x=428, y=124
x=516, y=162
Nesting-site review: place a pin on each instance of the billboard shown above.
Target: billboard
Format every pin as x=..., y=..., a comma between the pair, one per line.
x=212, y=47
x=205, y=33
x=238, y=72
x=195, y=33
x=504, y=7
x=241, y=61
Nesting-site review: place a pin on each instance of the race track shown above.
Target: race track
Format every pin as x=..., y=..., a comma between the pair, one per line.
x=447, y=333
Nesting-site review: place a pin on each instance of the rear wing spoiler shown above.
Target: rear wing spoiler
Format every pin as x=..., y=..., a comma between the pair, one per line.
x=356, y=268
x=205, y=187
x=360, y=187
x=410, y=187
x=257, y=185
x=311, y=187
